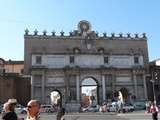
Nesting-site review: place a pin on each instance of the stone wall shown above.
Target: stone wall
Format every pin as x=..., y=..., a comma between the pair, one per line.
x=14, y=87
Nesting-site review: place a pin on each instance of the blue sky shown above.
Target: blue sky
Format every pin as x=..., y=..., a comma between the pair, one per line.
x=134, y=16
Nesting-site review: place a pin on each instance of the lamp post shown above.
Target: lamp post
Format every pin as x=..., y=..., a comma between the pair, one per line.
x=152, y=81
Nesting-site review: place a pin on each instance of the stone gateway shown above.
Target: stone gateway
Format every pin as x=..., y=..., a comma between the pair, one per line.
x=85, y=68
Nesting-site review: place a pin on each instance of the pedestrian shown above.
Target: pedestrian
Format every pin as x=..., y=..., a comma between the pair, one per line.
x=154, y=110
x=148, y=106
x=60, y=114
x=120, y=106
x=103, y=108
x=33, y=108
x=9, y=113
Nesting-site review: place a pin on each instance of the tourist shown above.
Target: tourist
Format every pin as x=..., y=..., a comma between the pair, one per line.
x=154, y=110
x=60, y=114
x=9, y=113
x=33, y=108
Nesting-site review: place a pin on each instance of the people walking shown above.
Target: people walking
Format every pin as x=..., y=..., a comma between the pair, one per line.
x=33, y=108
x=60, y=114
x=154, y=110
x=9, y=113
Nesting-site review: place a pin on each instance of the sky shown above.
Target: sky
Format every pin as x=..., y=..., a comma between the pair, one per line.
x=133, y=16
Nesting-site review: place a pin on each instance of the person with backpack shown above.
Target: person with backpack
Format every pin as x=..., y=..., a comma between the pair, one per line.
x=154, y=110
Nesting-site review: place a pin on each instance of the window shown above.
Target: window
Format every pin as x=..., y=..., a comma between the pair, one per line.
x=37, y=79
x=76, y=50
x=22, y=71
x=136, y=60
x=156, y=87
x=101, y=50
x=106, y=60
x=156, y=74
x=139, y=79
x=71, y=59
x=72, y=93
x=38, y=59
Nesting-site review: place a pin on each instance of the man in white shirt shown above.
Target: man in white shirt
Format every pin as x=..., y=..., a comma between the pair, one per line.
x=33, y=108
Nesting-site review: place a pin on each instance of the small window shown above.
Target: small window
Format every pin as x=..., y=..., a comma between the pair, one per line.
x=76, y=50
x=156, y=75
x=136, y=60
x=71, y=59
x=38, y=59
x=106, y=60
x=37, y=79
x=156, y=87
x=22, y=71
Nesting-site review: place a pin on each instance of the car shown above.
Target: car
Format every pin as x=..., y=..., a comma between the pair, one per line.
x=128, y=107
x=20, y=109
x=91, y=109
x=139, y=105
x=47, y=109
x=1, y=108
x=112, y=107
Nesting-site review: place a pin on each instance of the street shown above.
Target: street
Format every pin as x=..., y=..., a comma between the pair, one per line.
x=140, y=115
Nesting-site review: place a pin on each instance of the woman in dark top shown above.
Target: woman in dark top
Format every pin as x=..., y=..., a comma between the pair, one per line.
x=9, y=112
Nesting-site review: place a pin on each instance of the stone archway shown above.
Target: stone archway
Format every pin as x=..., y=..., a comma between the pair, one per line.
x=125, y=93
x=89, y=92
x=56, y=99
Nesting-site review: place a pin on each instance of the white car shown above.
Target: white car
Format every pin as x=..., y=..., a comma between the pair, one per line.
x=112, y=107
x=47, y=109
x=91, y=109
x=128, y=108
x=19, y=109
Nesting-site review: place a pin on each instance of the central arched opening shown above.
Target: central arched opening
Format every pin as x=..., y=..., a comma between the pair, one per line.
x=89, y=96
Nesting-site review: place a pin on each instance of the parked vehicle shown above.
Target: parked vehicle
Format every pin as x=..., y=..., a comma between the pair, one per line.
x=91, y=109
x=1, y=108
x=47, y=109
x=112, y=107
x=139, y=105
x=128, y=107
x=19, y=109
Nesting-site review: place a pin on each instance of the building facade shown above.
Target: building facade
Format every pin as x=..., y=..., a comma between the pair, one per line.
x=71, y=64
x=153, y=81
x=13, y=84
x=12, y=66
x=2, y=63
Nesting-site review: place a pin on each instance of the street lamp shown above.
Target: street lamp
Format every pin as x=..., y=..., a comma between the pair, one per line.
x=152, y=81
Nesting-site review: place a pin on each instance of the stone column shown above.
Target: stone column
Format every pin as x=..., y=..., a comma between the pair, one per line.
x=32, y=86
x=135, y=84
x=113, y=81
x=145, y=87
x=78, y=88
x=104, y=87
x=43, y=88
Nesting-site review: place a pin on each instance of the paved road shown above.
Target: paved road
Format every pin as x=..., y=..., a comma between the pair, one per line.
x=136, y=116
x=100, y=116
x=83, y=116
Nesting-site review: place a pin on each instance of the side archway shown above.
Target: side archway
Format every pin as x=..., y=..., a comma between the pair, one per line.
x=125, y=93
x=56, y=98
